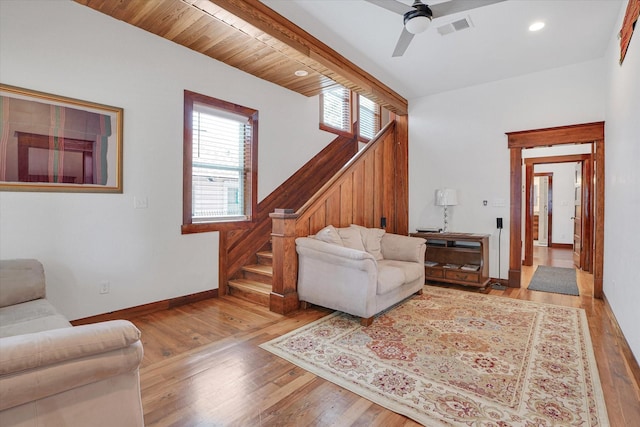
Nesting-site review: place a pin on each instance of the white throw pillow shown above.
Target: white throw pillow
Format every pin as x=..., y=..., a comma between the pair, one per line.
x=329, y=234
x=371, y=238
x=351, y=238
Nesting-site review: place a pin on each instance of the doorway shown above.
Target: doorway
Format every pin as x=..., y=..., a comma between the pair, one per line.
x=589, y=133
x=575, y=225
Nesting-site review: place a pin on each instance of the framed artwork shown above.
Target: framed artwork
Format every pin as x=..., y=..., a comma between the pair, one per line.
x=54, y=143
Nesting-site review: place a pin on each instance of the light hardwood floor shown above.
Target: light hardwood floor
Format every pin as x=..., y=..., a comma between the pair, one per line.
x=203, y=367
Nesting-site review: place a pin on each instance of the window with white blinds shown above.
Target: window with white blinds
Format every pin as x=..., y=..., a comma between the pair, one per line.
x=221, y=143
x=335, y=107
x=368, y=118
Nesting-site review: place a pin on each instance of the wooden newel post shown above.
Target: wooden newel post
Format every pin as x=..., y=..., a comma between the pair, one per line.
x=284, y=295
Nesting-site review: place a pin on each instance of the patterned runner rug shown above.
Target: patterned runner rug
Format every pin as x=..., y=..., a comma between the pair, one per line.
x=454, y=358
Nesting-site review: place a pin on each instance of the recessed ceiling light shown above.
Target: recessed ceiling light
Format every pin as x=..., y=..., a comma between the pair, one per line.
x=536, y=26
x=301, y=73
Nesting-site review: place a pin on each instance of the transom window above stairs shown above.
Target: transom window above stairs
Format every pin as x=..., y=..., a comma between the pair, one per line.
x=346, y=113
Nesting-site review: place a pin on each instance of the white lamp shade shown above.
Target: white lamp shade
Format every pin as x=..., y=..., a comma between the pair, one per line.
x=446, y=197
x=417, y=24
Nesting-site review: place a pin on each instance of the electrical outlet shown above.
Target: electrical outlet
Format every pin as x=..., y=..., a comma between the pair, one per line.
x=105, y=287
x=140, y=202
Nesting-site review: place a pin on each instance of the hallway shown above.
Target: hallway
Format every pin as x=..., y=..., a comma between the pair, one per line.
x=557, y=257
x=553, y=257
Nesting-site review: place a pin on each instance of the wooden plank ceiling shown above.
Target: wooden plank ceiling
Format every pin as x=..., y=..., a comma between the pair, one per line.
x=249, y=36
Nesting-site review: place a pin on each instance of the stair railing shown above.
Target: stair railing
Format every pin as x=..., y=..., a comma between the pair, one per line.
x=369, y=190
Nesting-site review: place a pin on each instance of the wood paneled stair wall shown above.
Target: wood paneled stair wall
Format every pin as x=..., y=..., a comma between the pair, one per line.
x=368, y=187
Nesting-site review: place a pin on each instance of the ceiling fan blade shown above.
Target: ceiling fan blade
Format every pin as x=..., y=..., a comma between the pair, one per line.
x=392, y=5
x=455, y=6
x=403, y=43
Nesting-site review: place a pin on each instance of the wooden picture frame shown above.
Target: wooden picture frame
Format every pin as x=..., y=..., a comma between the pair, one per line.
x=59, y=144
x=628, y=25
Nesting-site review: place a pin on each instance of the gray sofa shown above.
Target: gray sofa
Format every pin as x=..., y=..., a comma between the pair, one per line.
x=54, y=374
x=360, y=271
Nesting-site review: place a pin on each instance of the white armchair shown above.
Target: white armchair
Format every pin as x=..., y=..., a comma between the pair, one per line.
x=359, y=271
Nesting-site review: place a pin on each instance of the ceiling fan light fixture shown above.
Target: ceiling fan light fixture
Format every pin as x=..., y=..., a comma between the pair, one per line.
x=417, y=20
x=417, y=24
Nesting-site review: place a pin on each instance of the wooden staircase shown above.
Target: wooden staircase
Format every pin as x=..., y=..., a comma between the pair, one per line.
x=238, y=247
x=254, y=283
x=339, y=186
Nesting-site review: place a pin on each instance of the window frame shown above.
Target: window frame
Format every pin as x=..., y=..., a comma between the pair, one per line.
x=343, y=132
x=377, y=113
x=354, y=117
x=251, y=201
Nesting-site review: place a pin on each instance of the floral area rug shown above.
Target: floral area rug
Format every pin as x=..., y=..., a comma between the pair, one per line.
x=455, y=358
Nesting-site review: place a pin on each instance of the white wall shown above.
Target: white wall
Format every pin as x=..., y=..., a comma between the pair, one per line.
x=457, y=139
x=563, y=200
x=67, y=49
x=622, y=187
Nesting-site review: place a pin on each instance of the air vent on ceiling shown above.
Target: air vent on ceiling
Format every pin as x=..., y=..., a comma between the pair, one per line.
x=452, y=27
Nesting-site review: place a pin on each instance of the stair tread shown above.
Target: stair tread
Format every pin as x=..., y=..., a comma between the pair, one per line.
x=265, y=254
x=260, y=269
x=251, y=285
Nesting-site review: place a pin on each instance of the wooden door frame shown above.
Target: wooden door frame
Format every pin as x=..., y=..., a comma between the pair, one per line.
x=592, y=133
x=588, y=222
x=528, y=213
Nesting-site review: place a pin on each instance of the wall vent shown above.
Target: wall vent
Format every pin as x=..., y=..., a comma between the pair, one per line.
x=452, y=27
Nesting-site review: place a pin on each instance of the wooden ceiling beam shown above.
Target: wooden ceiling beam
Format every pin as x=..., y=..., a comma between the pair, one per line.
x=250, y=36
x=343, y=71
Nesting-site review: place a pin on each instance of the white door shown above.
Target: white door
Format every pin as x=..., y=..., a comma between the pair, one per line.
x=577, y=218
x=541, y=210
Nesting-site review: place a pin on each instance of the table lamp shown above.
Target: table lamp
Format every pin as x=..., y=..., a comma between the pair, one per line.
x=446, y=197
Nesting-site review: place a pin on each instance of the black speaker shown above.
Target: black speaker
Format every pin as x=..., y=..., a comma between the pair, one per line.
x=499, y=222
x=383, y=222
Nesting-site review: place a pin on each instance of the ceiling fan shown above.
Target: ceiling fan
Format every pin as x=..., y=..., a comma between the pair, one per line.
x=418, y=16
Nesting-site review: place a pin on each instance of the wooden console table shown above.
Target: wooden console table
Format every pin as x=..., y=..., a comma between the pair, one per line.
x=461, y=258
